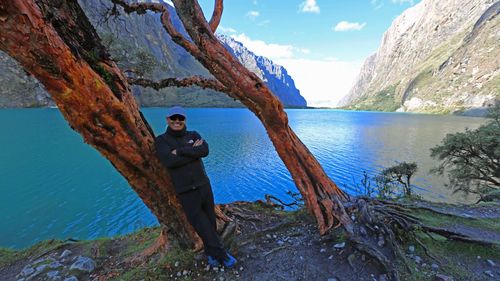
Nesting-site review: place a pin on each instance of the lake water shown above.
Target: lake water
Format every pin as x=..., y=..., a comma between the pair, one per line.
x=52, y=185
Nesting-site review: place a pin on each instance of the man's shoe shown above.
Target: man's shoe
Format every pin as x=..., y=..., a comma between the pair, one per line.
x=230, y=261
x=212, y=261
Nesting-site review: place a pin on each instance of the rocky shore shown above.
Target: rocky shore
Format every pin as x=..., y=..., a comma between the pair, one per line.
x=270, y=244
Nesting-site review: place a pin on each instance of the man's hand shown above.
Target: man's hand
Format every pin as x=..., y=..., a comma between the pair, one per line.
x=174, y=152
x=198, y=142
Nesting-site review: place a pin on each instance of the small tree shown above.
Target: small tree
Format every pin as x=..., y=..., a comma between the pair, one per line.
x=400, y=174
x=472, y=158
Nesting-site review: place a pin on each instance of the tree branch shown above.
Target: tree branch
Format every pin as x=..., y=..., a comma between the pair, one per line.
x=199, y=81
x=217, y=15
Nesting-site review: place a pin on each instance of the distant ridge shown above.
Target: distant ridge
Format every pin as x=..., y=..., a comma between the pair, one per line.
x=133, y=39
x=440, y=56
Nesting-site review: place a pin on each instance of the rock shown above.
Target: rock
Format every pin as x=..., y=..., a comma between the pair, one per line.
x=207, y=268
x=83, y=264
x=71, y=278
x=330, y=257
x=382, y=277
x=280, y=243
x=65, y=253
x=442, y=277
x=434, y=266
x=411, y=249
x=221, y=278
x=418, y=259
x=489, y=273
x=322, y=250
x=490, y=262
x=332, y=279
x=185, y=272
x=381, y=241
x=241, y=268
x=53, y=275
x=27, y=271
x=55, y=265
x=339, y=245
x=179, y=274
x=176, y=264
x=40, y=268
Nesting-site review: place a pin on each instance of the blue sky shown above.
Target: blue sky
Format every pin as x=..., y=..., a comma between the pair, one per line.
x=322, y=43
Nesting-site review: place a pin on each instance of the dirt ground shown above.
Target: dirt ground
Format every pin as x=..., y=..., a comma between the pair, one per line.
x=271, y=245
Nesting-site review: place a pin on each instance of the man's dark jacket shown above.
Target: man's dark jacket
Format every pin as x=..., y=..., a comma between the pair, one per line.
x=185, y=167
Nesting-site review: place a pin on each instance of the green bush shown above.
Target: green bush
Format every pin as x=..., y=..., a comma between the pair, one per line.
x=471, y=159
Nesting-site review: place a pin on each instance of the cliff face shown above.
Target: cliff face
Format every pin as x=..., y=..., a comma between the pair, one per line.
x=275, y=76
x=439, y=56
x=139, y=43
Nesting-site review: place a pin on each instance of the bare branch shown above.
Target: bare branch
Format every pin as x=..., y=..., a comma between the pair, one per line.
x=142, y=8
x=199, y=81
x=217, y=15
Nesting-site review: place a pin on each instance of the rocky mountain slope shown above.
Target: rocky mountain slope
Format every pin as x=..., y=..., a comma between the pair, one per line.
x=440, y=56
x=275, y=76
x=139, y=43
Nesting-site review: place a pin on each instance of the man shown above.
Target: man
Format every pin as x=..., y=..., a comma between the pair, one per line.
x=181, y=151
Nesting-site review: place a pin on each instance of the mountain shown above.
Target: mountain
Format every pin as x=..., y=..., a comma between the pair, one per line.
x=275, y=76
x=439, y=56
x=139, y=43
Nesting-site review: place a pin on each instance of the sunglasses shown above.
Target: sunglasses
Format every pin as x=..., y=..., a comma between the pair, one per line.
x=177, y=117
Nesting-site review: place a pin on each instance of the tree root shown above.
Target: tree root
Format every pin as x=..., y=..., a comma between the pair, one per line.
x=160, y=244
x=380, y=227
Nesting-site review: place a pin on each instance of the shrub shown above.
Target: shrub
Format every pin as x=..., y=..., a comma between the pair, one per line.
x=471, y=159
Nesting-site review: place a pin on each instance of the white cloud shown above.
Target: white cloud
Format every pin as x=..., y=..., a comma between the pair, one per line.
x=309, y=6
x=226, y=29
x=402, y=1
x=322, y=82
x=264, y=23
x=377, y=4
x=349, y=26
x=305, y=51
x=261, y=48
x=253, y=14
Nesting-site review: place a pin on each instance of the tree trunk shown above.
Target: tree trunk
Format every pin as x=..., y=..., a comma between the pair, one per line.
x=321, y=195
x=55, y=42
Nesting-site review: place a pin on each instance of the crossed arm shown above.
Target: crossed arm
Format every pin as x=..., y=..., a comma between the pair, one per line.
x=183, y=155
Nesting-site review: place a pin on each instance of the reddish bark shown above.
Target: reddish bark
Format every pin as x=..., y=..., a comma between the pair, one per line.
x=199, y=81
x=322, y=196
x=93, y=97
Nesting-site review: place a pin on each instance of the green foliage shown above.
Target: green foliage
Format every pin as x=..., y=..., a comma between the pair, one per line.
x=472, y=158
x=138, y=60
x=145, y=63
x=401, y=174
x=384, y=100
x=389, y=181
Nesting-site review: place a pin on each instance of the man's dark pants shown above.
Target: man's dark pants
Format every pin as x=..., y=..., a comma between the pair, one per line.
x=198, y=204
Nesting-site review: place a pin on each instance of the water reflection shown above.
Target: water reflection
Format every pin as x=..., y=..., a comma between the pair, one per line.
x=54, y=185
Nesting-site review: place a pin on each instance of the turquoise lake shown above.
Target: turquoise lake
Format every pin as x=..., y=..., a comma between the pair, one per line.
x=52, y=185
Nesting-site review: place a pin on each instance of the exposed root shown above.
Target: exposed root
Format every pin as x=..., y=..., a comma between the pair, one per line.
x=380, y=228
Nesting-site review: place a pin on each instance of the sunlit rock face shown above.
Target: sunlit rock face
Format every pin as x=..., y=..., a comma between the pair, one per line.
x=275, y=76
x=439, y=56
x=139, y=42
